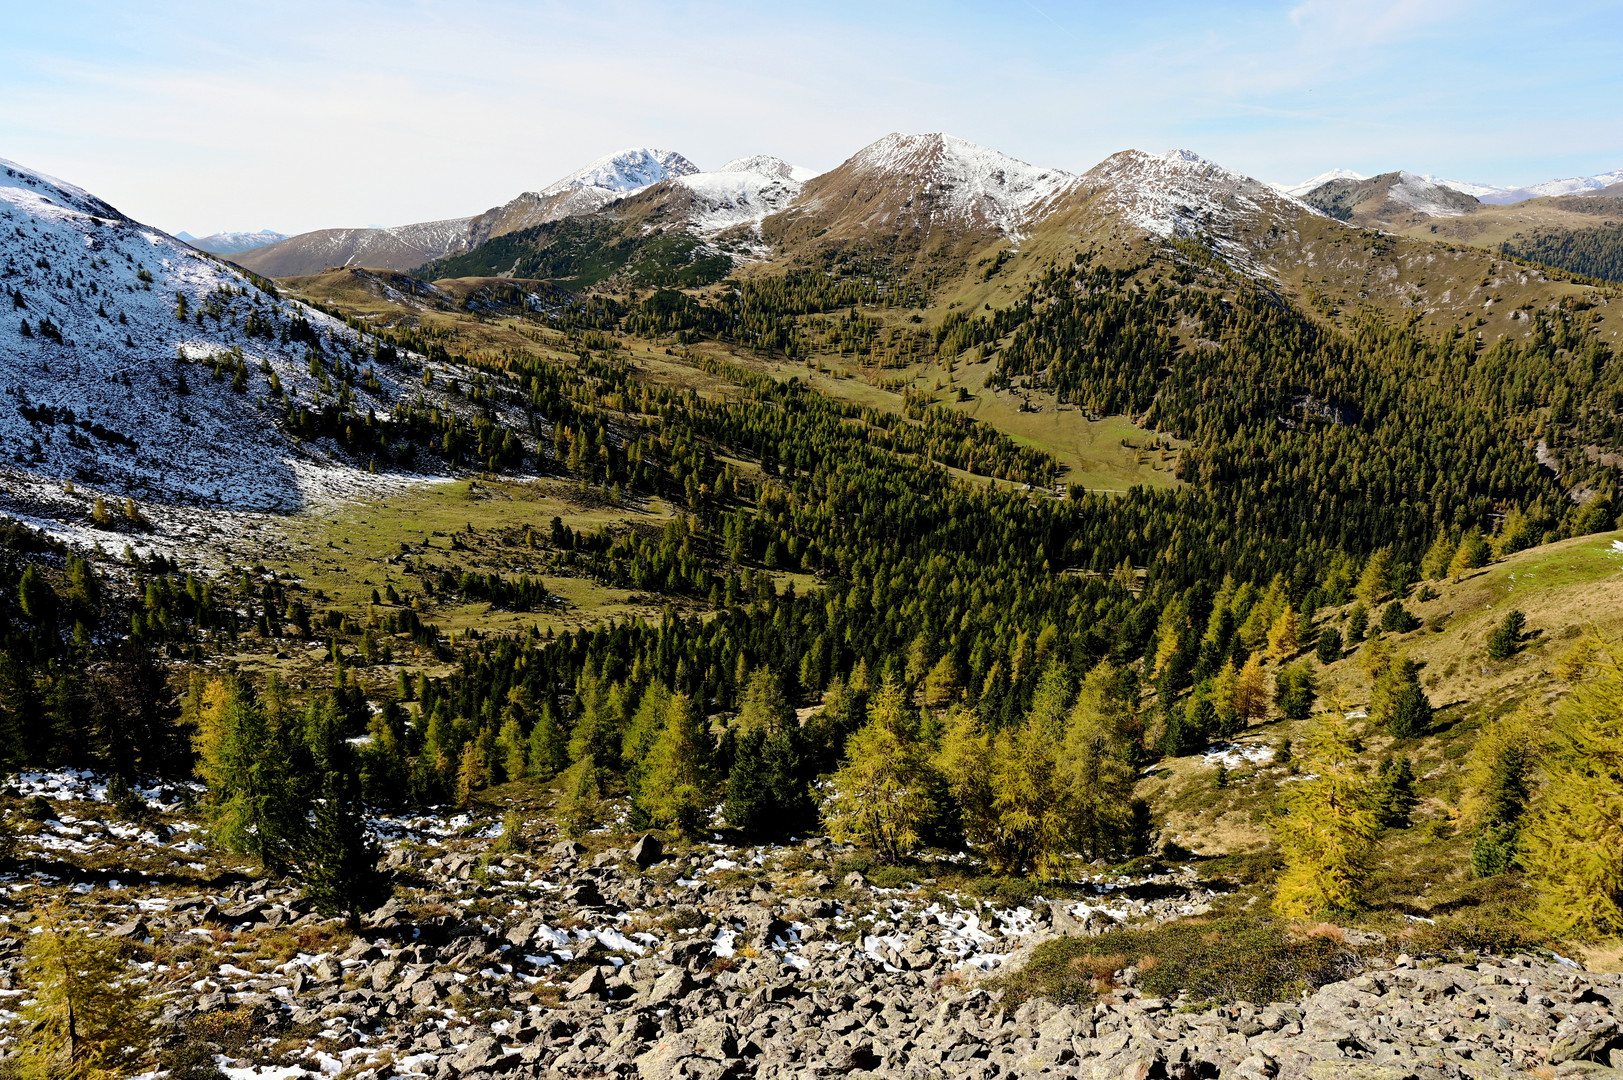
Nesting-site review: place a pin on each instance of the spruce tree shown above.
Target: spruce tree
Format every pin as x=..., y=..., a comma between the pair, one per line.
x=338, y=860
x=1398, y=701
x=1295, y=690
x=1328, y=648
x=1505, y=639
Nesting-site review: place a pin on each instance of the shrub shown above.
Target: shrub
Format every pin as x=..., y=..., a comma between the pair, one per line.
x=1238, y=958
x=1329, y=645
x=1395, y=619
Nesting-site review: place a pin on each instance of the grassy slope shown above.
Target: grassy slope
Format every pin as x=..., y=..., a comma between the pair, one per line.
x=1565, y=589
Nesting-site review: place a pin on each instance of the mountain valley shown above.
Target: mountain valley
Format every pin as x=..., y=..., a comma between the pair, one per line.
x=940, y=616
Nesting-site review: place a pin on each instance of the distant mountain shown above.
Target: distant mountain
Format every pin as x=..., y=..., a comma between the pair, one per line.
x=1491, y=194
x=232, y=243
x=612, y=176
x=1575, y=185
x=932, y=191
x=1389, y=200
x=398, y=248
x=666, y=233
x=1320, y=180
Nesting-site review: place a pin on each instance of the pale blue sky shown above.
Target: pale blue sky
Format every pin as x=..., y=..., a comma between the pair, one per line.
x=300, y=115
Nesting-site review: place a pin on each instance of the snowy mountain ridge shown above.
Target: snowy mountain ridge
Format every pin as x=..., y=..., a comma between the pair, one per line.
x=962, y=181
x=625, y=171
x=1492, y=194
x=745, y=191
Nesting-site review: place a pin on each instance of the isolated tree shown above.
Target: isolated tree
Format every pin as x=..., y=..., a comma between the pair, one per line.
x=86, y=1019
x=674, y=786
x=1329, y=646
x=1394, y=792
x=1357, y=623
x=1398, y=701
x=1329, y=828
x=1506, y=638
x=879, y=797
x=1395, y=619
x=1295, y=689
x=1572, y=845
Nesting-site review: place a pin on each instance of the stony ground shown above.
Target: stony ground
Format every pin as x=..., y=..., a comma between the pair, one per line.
x=718, y=961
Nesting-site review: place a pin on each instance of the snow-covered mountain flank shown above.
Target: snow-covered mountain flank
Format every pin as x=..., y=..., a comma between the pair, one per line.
x=133, y=364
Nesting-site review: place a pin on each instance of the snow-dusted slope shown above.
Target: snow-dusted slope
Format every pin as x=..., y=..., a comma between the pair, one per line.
x=233, y=243
x=1180, y=193
x=1298, y=190
x=94, y=358
x=584, y=191
x=915, y=185
x=742, y=192
x=964, y=182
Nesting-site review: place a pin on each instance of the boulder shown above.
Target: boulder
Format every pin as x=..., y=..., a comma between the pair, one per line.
x=647, y=851
x=588, y=987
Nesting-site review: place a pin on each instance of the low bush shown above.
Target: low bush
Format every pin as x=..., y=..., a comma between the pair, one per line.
x=1237, y=958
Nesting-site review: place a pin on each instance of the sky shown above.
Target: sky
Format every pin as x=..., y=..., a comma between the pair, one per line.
x=295, y=115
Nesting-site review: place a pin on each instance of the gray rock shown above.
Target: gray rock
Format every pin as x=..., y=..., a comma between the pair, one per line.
x=589, y=986
x=647, y=851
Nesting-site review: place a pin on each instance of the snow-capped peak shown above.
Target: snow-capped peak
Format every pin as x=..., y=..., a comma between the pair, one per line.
x=1298, y=190
x=626, y=171
x=965, y=182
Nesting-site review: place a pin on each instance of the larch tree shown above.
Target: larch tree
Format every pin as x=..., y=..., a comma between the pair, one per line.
x=880, y=794
x=1250, y=700
x=86, y=1019
x=1572, y=846
x=1329, y=829
x=253, y=806
x=1102, y=743
x=674, y=786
